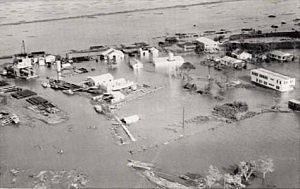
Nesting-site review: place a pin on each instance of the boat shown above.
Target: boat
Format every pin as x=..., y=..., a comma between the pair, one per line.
x=161, y=182
x=139, y=164
x=15, y=119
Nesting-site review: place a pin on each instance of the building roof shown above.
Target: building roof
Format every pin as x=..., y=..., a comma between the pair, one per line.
x=100, y=78
x=274, y=74
x=279, y=53
x=206, y=40
x=230, y=59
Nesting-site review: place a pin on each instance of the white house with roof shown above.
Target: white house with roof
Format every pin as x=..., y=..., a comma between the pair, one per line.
x=232, y=62
x=100, y=80
x=169, y=64
x=108, y=83
x=209, y=44
x=241, y=55
x=272, y=80
x=112, y=55
x=280, y=56
x=148, y=53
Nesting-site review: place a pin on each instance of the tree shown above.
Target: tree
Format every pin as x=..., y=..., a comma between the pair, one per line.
x=233, y=181
x=247, y=169
x=265, y=165
x=213, y=176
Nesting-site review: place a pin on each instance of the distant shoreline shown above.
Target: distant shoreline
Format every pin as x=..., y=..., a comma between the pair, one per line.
x=117, y=12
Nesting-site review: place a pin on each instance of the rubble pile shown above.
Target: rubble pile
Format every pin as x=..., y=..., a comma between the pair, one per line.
x=231, y=111
x=48, y=179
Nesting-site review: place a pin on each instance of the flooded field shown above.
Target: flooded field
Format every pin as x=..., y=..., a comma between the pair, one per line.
x=160, y=137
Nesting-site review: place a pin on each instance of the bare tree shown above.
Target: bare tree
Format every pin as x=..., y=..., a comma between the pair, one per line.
x=265, y=165
x=247, y=169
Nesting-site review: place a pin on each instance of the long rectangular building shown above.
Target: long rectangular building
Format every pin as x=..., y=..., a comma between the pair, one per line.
x=272, y=80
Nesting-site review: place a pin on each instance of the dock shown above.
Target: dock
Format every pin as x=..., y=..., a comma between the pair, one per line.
x=124, y=128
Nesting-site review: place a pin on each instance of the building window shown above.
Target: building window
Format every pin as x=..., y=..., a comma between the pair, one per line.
x=254, y=73
x=277, y=87
x=271, y=84
x=265, y=83
x=263, y=76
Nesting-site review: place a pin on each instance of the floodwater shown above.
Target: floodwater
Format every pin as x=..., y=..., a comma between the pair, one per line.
x=95, y=152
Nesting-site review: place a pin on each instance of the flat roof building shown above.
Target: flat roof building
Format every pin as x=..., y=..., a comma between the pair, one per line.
x=272, y=80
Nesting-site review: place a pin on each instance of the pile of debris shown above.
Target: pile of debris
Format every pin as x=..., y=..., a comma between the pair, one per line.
x=52, y=179
x=70, y=179
x=233, y=111
x=6, y=118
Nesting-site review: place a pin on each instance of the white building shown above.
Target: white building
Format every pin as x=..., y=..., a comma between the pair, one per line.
x=23, y=67
x=50, y=58
x=209, y=44
x=112, y=55
x=169, y=64
x=147, y=53
x=232, y=62
x=119, y=84
x=272, y=80
x=281, y=56
x=108, y=83
x=100, y=80
x=242, y=55
x=117, y=96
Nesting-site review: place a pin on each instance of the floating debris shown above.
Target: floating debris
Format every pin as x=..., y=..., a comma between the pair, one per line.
x=139, y=165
